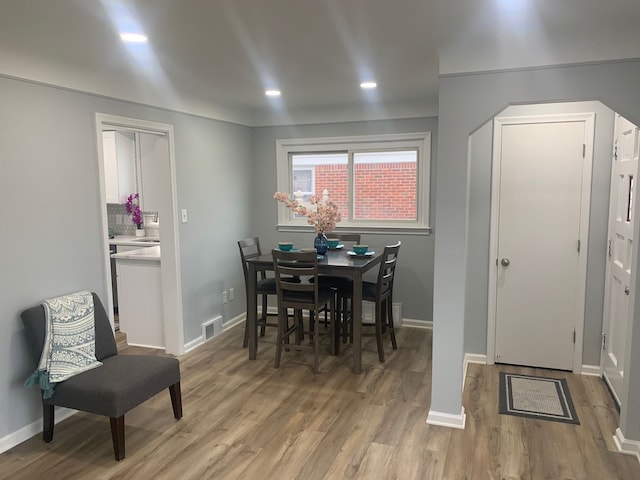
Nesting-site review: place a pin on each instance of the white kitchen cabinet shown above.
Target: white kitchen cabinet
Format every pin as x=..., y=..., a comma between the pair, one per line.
x=119, y=165
x=140, y=299
x=153, y=165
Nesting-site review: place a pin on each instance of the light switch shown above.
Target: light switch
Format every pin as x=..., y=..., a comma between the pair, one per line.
x=184, y=215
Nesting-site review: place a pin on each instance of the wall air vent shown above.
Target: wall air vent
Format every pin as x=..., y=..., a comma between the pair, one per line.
x=211, y=328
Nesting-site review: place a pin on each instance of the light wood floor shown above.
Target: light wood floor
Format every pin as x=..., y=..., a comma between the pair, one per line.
x=248, y=420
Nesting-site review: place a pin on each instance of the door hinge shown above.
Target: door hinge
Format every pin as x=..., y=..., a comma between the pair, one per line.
x=615, y=150
x=584, y=150
x=578, y=246
x=609, y=248
x=574, y=336
x=604, y=341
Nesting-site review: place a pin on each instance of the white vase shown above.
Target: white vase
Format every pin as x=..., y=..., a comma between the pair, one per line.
x=140, y=232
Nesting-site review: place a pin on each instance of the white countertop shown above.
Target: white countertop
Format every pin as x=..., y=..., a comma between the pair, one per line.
x=142, y=253
x=126, y=240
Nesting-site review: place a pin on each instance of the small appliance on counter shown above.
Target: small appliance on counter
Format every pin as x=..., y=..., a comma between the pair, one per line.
x=151, y=224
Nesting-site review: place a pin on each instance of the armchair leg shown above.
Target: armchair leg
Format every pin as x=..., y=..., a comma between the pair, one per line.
x=48, y=417
x=117, y=436
x=176, y=400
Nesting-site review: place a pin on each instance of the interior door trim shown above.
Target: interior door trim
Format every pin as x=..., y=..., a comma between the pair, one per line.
x=589, y=121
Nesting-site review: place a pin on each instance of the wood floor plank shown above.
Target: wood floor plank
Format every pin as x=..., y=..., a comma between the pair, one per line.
x=377, y=462
x=246, y=419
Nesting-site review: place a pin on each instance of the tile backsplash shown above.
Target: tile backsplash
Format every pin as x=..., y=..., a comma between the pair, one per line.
x=119, y=220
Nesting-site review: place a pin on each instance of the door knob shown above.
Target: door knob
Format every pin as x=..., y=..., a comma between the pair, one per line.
x=505, y=262
x=626, y=290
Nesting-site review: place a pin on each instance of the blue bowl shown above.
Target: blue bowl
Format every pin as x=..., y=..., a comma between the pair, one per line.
x=333, y=242
x=285, y=246
x=360, y=249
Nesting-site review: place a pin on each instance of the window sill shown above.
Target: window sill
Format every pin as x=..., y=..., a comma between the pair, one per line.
x=404, y=230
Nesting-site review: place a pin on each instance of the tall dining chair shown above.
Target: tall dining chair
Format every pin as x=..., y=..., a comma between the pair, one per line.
x=381, y=294
x=343, y=287
x=250, y=248
x=306, y=295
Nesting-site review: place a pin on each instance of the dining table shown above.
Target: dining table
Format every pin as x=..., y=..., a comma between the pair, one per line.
x=335, y=262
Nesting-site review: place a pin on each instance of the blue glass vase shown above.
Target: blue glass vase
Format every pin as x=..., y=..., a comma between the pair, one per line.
x=321, y=243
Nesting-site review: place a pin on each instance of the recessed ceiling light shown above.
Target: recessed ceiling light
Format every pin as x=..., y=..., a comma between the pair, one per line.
x=133, y=37
x=368, y=85
x=272, y=93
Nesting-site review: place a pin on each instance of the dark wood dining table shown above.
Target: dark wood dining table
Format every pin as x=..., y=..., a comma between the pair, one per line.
x=335, y=262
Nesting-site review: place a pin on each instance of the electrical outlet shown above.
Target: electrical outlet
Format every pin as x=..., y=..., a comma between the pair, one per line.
x=184, y=215
x=224, y=296
x=231, y=295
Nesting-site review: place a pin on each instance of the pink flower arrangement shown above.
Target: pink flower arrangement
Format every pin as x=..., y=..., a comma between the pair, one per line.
x=133, y=209
x=323, y=213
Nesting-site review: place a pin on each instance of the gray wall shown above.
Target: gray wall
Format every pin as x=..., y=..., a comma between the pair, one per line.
x=50, y=215
x=214, y=165
x=479, y=216
x=415, y=265
x=467, y=102
x=479, y=210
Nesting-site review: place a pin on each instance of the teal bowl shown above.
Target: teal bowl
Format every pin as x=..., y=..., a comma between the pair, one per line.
x=285, y=246
x=333, y=242
x=360, y=249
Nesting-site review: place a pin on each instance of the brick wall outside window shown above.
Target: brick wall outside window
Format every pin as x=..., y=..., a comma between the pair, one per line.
x=382, y=190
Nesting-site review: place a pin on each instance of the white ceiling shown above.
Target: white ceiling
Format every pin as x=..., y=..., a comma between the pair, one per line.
x=216, y=57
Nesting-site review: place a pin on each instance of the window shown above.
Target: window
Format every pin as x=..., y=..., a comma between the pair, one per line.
x=378, y=182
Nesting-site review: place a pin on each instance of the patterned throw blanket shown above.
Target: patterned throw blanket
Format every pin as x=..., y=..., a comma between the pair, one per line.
x=69, y=344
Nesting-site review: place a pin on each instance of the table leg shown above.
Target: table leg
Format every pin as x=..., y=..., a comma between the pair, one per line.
x=357, y=322
x=252, y=312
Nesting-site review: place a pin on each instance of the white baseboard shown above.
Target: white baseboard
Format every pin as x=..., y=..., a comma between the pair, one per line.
x=144, y=345
x=612, y=391
x=200, y=340
x=411, y=323
x=34, y=428
x=449, y=420
x=628, y=447
x=471, y=358
x=592, y=370
x=405, y=322
x=193, y=344
x=233, y=322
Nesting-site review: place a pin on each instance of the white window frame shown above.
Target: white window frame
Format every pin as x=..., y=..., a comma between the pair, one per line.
x=421, y=141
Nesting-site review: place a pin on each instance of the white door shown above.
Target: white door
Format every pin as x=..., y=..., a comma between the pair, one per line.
x=619, y=262
x=538, y=277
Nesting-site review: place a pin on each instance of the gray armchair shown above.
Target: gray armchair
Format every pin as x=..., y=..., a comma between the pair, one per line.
x=121, y=383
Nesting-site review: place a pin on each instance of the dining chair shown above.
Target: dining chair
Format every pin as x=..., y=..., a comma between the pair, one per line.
x=381, y=293
x=265, y=286
x=306, y=295
x=343, y=287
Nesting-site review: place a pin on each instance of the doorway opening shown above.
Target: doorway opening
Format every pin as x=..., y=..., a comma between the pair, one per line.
x=162, y=180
